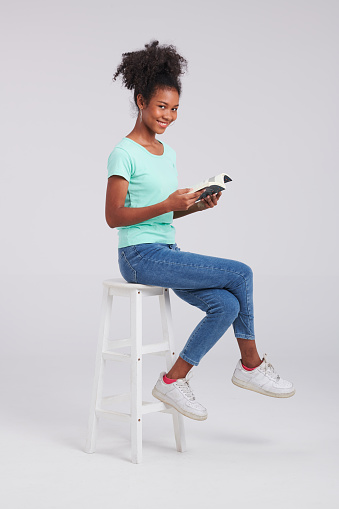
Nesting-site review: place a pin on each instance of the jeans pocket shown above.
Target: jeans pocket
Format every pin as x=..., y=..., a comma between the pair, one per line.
x=126, y=269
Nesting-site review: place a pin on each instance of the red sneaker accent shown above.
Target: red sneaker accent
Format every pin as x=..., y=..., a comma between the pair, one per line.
x=248, y=369
x=169, y=380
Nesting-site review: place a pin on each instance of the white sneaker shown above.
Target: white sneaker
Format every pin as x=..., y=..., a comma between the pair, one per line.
x=263, y=379
x=179, y=395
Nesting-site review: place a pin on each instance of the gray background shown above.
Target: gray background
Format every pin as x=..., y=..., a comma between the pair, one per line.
x=259, y=102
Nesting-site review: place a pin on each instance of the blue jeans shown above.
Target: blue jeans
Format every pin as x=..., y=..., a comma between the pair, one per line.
x=220, y=287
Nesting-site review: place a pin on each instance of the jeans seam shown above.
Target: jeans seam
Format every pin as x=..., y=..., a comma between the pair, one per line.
x=189, y=265
x=133, y=270
x=200, y=267
x=137, y=252
x=201, y=322
x=150, y=259
x=245, y=324
x=203, y=267
x=196, y=330
x=196, y=297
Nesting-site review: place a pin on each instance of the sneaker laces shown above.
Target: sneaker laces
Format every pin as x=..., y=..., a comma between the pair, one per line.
x=185, y=388
x=269, y=369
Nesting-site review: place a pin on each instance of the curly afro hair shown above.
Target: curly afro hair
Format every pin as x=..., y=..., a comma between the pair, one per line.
x=156, y=66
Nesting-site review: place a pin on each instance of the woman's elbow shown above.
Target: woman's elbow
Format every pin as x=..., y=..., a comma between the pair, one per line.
x=110, y=221
x=114, y=217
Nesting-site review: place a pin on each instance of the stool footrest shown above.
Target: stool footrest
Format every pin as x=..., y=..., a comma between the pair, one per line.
x=114, y=356
x=156, y=348
x=114, y=416
x=116, y=398
x=119, y=343
x=148, y=407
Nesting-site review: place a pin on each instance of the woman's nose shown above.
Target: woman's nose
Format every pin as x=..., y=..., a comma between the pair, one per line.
x=170, y=117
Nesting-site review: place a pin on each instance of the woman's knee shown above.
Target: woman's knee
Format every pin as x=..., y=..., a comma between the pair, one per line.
x=226, y=305
x=246, y=271
x=232, y=306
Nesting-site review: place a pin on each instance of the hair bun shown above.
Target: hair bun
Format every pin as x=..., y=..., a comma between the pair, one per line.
x=152, y=44
x=141, y=70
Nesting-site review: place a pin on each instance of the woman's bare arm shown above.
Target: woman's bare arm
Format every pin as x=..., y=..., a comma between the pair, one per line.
x=119, y=215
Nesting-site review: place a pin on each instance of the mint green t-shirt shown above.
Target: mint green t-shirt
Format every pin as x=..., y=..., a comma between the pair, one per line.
x=151, y=180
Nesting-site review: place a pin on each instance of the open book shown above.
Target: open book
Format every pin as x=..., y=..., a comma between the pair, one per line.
x=212, y=185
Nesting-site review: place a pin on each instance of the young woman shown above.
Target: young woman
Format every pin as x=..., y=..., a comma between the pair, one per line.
x=142, y=201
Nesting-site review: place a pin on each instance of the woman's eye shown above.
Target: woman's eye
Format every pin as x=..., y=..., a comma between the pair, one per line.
x=162, y=106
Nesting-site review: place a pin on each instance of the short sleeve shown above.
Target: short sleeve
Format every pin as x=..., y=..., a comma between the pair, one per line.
x=119, y=163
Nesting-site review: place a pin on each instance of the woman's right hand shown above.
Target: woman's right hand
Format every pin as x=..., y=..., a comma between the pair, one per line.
x=182, y=199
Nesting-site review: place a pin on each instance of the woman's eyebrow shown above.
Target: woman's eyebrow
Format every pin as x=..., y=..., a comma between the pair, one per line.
x=163, y=102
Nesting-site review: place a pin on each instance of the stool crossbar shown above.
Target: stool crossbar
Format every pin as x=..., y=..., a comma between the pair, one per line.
x=107, y=351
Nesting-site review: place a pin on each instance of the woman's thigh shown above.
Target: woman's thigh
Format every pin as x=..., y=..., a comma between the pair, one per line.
x=211, y=300
x=166, y=265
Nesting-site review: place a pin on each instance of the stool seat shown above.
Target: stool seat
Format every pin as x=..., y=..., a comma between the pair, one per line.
x=119, y=282
x=106, y=350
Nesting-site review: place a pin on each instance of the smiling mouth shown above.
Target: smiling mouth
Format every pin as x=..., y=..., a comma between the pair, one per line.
x=163, y=124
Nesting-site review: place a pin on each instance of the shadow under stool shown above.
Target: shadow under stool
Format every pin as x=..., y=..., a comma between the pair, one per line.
x=108, y=349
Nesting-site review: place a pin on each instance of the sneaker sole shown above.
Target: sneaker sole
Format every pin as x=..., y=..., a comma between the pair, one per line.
x=162, y=398
x=249, y=387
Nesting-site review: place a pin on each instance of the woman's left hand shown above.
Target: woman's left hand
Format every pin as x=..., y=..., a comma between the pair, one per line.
x=210, y=201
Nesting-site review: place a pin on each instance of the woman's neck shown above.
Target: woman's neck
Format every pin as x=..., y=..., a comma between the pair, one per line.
x=141, y=134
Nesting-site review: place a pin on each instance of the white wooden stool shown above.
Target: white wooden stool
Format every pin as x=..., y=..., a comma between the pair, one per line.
x=106, y=351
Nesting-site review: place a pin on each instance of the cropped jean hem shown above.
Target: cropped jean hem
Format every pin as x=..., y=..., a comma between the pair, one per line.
x=244, y=336
x=187, y=359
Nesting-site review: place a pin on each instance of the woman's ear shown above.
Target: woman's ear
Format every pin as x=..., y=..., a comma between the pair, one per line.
x=140, y=101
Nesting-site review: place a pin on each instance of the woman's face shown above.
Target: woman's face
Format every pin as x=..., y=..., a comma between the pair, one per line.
x=161, y=110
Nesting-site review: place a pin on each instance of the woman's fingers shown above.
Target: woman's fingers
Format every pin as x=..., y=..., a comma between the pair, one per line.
x=182, y=199
x=216, y=197
x=212, y=200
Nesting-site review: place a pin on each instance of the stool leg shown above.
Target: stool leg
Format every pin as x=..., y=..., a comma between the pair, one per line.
x=106, y=309
x=136, y=376
x=167, y=329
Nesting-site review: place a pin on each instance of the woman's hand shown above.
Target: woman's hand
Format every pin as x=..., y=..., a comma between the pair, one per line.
x=182, y=199
x=210, y=201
